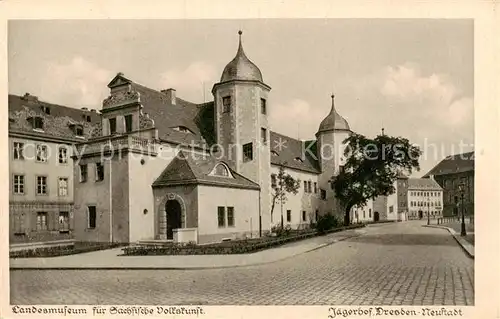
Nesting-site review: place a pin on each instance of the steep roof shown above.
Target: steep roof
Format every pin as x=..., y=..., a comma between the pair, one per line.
x=198, y=118
x=293, y=153
x=57, y=119
x=241, y=68
x=333, y=121
x=194, y=169
x=423, y=183
x=453, y=164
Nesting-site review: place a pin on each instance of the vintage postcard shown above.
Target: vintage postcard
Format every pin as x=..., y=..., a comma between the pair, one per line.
x=335, y=158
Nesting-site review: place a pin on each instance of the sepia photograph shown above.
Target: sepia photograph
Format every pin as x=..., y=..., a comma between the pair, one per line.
x=212, y=162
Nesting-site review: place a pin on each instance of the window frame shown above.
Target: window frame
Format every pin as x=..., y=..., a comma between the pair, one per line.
x=112, y=120
x=89, y=215
x=84, y=178
x=39, y=150
x=62, y=150
x=128, y=128
x=42, y=217
x=263, y=106
x=247, y=150
x=230, y=221
x=263, y=135
x=226, y=107
x=15, y=190
x=18, y=151
x=99, y=176
x=288, y=215
x=221, y=217
x=304, y=216
x=46, y=187
x=59, y=179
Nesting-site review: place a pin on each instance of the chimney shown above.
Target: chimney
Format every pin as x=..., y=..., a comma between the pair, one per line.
x=30, y=98
x=170, y=93
x=85, y=109
x=93, y=111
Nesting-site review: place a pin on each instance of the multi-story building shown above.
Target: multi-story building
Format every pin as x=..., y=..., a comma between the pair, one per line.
x=425, y=198
x=41, y=138
x=449, y=174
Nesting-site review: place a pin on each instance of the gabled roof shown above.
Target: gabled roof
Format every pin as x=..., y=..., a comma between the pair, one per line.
x=293, y=153
x=57, y=124
x=454, y=164
x=198, y=118
x=423, y=183
x=194, y=169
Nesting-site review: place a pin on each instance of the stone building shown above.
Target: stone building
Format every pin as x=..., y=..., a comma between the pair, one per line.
x=449, y=174
x=41, y=195
x=425, y=198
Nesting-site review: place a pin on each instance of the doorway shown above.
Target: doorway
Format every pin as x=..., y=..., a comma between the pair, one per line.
x=420, y=214
x=174, y=219
x=376, y=217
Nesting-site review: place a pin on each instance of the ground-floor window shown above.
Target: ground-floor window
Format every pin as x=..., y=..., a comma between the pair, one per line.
x=19, y=224
x=41, y=221
x=63, y=221
x=92, y=216
x=230, y=216
x=304, y=216
x=221, y=218
x=288, y=215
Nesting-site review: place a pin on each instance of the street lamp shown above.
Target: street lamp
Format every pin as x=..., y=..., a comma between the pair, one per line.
x=428, y=210
x=461, y=188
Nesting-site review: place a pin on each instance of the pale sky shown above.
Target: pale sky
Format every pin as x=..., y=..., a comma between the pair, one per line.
x=412, y=77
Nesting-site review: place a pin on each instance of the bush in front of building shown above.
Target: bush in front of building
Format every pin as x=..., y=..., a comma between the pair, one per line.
x=243, y=246
x=76, y=248
x=326, y=223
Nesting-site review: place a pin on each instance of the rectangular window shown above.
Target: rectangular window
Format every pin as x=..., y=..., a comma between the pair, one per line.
x=226, y=104
x=63, y=155
x=309, y=186
x=18, y=184
x=92, y=217
x=41, y=221
x=128, y=123
x=18, y=151
x=391, y=209
x=112, y=126
x=263, y=135
x=41, y=185
x=221, y=222
x=364, y=214
x=315, y=188
x=273, y=180
x=230, y=216
x=83, y=173
x=305, y=187
x=99, y=172
x=288, y=215
x=341, y=168
x=79, y=130
x=304, y=216
x=263, y=106
x=38, y=123
x=63, y=222
x=323, y=194
x=41, y=153
x=63, y=186
x=247, y=152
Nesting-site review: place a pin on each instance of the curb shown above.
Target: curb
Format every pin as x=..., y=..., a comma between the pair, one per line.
x=186, y=268
x=466, y=246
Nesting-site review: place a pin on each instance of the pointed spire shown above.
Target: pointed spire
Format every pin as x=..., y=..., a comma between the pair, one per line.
x=333, y=103
x=383, y=131
x=240, y=46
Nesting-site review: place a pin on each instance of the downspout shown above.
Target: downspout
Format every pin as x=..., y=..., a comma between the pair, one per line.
x=110, y=201
x=260, y=214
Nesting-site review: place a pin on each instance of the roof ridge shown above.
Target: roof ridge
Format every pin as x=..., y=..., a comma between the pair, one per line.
x=53, y=104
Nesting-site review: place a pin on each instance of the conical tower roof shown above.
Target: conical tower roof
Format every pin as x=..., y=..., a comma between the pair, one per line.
x=241, y=68
x=333, y=121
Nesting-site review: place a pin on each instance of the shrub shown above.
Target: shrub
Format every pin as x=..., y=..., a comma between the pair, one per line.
x=326, y=222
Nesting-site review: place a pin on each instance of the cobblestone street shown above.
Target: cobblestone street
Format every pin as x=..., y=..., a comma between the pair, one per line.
x=392, y=264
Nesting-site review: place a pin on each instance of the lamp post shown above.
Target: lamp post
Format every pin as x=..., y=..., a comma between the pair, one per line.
x=428, y=209
x=461, y=188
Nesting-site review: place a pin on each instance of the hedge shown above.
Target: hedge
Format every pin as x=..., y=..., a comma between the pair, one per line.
x=76, y=248
x=225, y=248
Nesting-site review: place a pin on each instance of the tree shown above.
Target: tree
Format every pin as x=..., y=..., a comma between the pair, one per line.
x=371, y=168
x=282, y=183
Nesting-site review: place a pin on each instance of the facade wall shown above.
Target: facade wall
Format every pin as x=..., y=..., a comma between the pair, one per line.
x=25, y=207
x=246, y=213
x=302, y=201
x=143, y=171
x=187, y=195
x=451, y=193
x=424, y=200
x=362, y=214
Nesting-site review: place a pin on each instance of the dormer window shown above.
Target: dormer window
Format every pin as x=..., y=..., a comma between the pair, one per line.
x=274, y=153
x=221, y=170
x=77, y=129
x=298, y=159
x=89, y=119
x=46, y=109
x=36, y=122
x=182, y=129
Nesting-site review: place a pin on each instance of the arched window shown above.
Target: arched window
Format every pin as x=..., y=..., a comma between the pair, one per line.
x=221, y=170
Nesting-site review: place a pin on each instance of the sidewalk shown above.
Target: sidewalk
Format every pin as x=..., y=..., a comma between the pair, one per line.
x=110, y=259
x=466, y=246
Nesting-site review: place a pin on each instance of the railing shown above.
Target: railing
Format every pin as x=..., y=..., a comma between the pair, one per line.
x=451, y=219
x=118, y=144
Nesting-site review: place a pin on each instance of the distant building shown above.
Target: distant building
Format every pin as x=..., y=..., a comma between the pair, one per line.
x=41, y=138
x=425, y=198
x=449, y=173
